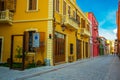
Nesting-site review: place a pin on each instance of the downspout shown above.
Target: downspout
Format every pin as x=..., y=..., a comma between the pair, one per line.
x=54, y=31
x=76, y=36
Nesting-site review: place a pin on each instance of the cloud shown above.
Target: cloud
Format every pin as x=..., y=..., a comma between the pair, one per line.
x=115, y=30
x=110, y=18
x=107, y=34
x=108, y=31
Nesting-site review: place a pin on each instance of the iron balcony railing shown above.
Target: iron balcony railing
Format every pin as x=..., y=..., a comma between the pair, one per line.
x=6, y=16
x=85, y=32
x=70, y=22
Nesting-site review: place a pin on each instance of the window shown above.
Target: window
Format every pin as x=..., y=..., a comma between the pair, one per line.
x=32, y=5
x=30, y=42
x=57, y=5
x=69, y=9
x=71, y=48
x=74, y=14
x=2, y=3
x=78, y=18
x=64, y=8
x=82, y=23
x=88, y=28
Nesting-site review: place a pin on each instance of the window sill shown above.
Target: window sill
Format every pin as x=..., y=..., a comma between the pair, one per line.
x=32, y=10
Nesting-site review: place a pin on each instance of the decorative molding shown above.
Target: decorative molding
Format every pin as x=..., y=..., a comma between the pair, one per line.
x=34, y=20
x=32, y=10
x=32, y=29
x=50, y=31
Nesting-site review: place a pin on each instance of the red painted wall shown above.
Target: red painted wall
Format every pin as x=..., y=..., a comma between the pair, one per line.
x=95, y=33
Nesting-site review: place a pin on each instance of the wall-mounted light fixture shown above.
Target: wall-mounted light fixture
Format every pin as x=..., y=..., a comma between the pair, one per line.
x=63, y=27
x=50, y=36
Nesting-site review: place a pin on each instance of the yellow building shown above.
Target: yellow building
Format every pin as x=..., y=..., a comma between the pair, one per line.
x=61, y=27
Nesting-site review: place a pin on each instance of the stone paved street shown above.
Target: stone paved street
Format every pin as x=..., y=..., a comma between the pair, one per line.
x=103, y=68
x=99, y=68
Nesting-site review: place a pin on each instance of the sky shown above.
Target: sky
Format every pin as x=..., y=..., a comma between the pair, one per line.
x=105, y=13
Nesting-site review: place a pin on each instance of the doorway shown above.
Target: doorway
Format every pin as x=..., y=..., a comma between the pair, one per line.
x=59, y=48
x=2, y=5
x=1, y=47
x=79, y=51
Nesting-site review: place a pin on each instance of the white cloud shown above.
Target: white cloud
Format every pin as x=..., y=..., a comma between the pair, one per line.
x=107, y=34
x=115, y=30
x=111, y=19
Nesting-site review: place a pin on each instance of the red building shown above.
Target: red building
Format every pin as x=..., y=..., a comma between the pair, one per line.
x=95, y=34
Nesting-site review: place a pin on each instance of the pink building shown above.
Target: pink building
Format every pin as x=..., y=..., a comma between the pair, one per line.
x=95, y=34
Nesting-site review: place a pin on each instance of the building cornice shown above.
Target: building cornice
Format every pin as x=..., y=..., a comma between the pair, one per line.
x=33, y=20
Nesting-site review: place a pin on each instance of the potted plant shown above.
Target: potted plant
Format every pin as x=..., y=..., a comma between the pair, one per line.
x=19, y=52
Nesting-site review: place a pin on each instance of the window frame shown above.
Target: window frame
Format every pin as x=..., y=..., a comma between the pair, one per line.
x=69, y=10
x=57, y=6
x=32, y=10
x=30, y=38
x=64, y=7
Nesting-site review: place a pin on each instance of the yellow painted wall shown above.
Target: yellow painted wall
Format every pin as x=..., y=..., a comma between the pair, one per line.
x=24, y=20
x=40, y=20
x=19, y=28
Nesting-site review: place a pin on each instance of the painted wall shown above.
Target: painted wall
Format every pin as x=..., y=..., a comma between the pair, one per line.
x=95, y=33
x=24, y=20
x=41, y=20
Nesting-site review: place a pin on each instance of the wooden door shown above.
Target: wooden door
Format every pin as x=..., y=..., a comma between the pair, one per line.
x=59, y=55
x=78, y=49
x=87, y=54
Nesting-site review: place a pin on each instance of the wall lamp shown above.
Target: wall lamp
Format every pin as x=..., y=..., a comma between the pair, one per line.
x=63, y=27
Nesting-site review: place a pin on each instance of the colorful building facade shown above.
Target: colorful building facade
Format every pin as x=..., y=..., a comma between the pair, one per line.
x=54, y=31
x=118, y=28
x=102, y=46
x=95, y=33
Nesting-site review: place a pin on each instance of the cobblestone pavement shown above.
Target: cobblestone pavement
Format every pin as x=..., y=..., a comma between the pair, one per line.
x=99, y=68
x=102, y=68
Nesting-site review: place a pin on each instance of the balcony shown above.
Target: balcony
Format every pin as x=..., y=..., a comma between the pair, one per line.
x=70, y=22
x=6, y=17
x=95, y=28
x=85, y=32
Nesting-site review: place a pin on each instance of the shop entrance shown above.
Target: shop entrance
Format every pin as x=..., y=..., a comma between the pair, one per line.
x=79, y=55
x=59, y=55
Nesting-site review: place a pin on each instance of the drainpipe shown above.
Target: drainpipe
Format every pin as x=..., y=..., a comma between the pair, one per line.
x=76, y=36
x=53, y=31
